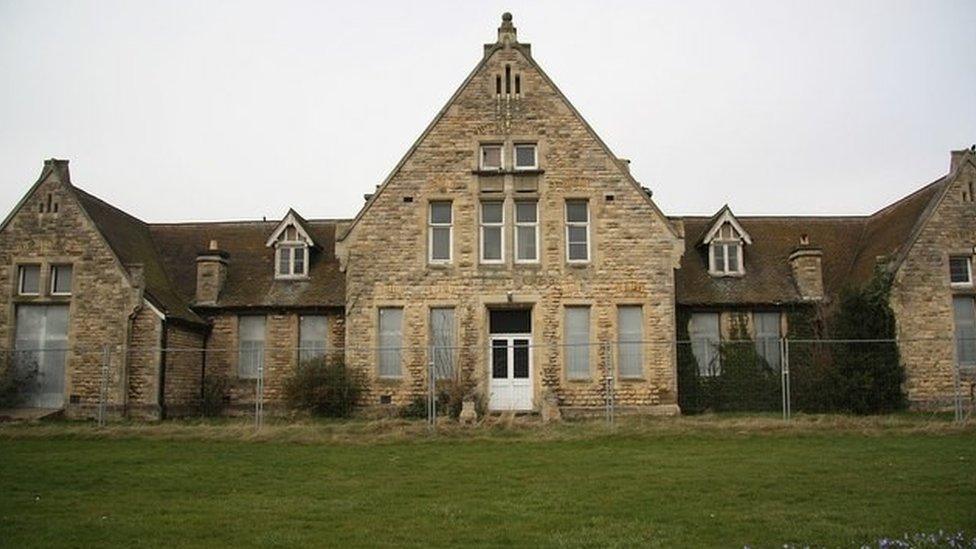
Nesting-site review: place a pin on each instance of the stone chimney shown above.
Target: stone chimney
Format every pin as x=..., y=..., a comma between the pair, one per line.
x=805, y=262
x=956, y=158
x=60, y=168
x=211, y=274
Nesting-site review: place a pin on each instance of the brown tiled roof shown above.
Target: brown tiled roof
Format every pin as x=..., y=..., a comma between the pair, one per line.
x=168, y=252
x=852, y=247
x=768, y=278
x=250, y=271
x=132, y=243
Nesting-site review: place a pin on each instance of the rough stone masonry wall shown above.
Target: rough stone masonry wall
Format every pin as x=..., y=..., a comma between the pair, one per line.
x=143, y=358
x=631, y=263
x=101, y=301
x=922, y=297
x=184, y=369
x=280, y=357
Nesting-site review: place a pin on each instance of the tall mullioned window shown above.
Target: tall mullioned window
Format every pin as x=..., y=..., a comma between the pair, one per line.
x=312, y=337
x=577, y=339
x=526, y=231
x=492, y=225
x=250, y=330
x=630, y=333
x=577, y=231
x=390, y=341
x=442, y=341
x=440, y=229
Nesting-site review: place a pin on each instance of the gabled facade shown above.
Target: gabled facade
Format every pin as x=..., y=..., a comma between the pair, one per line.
x=512, y=219
x=509, y=249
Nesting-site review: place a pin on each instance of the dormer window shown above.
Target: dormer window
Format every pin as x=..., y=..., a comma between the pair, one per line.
x=292, y=260
x=726, y=240
x=291, y=242
x=726, y=252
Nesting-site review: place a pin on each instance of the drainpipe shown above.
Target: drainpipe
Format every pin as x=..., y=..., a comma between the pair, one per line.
x=162, y=371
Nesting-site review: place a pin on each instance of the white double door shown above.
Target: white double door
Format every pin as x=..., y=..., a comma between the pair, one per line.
x=510, y=366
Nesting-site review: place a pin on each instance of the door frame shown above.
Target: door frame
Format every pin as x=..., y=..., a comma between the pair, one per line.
x=510, y=358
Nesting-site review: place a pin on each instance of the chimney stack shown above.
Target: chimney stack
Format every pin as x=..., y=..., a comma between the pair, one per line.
x=956, y=158
x=211, y=274
x=806, y=264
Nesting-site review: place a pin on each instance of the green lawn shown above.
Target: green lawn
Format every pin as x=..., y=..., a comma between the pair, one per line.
x=650, y=485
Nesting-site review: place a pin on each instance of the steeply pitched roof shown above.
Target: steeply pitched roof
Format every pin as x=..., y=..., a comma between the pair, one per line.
x=506, y=38
x=852, y=247
x=250, y=270
x=768, y=278
x=132, y=243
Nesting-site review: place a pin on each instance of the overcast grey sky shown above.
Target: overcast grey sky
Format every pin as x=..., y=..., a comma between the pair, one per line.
x=227, y=110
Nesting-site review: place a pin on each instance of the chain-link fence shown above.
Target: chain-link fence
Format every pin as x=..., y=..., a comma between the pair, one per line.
x=509, y=374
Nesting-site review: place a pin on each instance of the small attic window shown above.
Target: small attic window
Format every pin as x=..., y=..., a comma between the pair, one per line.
x=725, y=252
x=291, y=247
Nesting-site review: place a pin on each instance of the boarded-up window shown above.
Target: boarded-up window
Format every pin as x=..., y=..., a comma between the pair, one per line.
x=390, y=341
x=965, y=321
x=767, y=337
x=312, y=337
x=250, y=332
x=577, y=342
x=442, y=341
x=630, y=328
x=705, y=339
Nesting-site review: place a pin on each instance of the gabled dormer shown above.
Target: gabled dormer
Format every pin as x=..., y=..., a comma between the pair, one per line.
x=726, y=241
x=292, y=243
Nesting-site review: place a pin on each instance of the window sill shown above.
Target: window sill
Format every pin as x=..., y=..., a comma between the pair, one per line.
x=578, y=264
x=483, y=172
x=579, y=380
x=389, y=380
x=291, y=278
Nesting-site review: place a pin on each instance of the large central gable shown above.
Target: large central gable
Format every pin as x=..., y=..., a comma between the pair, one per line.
x=486, y=75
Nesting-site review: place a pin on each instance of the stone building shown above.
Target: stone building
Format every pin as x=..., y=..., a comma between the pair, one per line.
x=757, y=269
x=509, y=249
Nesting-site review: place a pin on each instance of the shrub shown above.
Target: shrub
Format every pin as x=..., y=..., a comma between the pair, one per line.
x=15, y=377
x=213, y=396
x=870, y=375
x=323, y=388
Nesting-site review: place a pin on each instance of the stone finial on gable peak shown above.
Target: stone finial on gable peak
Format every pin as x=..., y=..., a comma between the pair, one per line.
x=506, y=32
x=508, y=38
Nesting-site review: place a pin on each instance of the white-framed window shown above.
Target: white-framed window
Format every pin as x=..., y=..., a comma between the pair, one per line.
x=577, y=231
x=492, y=157
x=250, y=345
x=526, y=156
x=526, y=231
x=442, y=341
x=767, y=326
x=440, y=232
x=630, y=337
x=29, y=280
x=492, y=226
x=292, y=260
x=313, y=337
x=705, y=340
x=61, y=276
x=960, y=270
x=725, y=252
x=964, y=319
x=577, y=342
x=390, y=342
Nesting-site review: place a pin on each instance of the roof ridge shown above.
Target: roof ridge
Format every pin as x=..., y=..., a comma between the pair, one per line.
x=241, y=222
x=909, y=196
x=107, y=204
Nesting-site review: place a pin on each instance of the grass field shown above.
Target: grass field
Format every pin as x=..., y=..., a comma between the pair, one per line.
x=667, y=483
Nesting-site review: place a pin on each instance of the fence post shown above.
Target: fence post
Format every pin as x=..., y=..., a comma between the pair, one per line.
x=103, y=386
x=431, y=391
x=784, y=345
x=608, y=350
x=259, y=397
x=958, y=392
